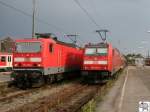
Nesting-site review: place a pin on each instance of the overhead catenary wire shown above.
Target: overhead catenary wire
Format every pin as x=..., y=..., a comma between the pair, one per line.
x=87, y=13
x=30, y=15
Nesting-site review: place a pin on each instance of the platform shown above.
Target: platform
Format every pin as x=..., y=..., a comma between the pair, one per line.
x=132, y=87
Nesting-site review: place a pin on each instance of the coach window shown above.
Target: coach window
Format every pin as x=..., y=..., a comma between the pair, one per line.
x=3, y=59
x=51, y=48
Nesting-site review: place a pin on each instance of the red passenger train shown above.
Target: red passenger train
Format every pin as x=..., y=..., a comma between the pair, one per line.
x=101, y=61
x=5, y=61
x=44, y=59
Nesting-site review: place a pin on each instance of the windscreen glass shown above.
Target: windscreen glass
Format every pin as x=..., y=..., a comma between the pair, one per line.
x=90, y=51
x=96, y=51
x=28, y=47
x=102, y=51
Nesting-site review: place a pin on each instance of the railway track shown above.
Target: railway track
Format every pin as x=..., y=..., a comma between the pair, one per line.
x=77, y=101
x=74, y=103
x=14, y=93
x=69, y=98
x=73, y=97
x=22, y=98
x=51, y=101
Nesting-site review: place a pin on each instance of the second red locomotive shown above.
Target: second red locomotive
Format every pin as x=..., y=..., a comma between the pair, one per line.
x=44, y=59
x=101, y=61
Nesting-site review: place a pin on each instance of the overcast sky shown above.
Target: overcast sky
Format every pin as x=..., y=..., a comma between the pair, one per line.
x=127, y=20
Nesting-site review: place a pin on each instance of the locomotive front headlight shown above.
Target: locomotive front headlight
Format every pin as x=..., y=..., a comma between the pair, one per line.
x=15, y=65
x=19, y=59
x=88, y=62
x=39, y=65
x=103, y=62
x=36, y=59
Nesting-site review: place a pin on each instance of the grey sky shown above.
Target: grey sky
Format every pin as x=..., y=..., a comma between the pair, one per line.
x=128, y=21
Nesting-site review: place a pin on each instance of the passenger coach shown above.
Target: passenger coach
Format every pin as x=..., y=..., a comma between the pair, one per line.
x=6, y=61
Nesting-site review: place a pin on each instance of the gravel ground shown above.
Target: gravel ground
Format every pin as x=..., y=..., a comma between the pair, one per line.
x=20, y=101
x=4, y=77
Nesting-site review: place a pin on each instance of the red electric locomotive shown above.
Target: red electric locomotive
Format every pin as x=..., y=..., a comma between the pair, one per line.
x=100, y=62
x=44, y=59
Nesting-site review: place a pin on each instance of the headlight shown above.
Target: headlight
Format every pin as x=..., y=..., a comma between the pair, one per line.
x=19, y=59
x=102, y=62
x=35, y=59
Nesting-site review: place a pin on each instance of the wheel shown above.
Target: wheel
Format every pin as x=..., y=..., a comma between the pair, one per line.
x=40, y=82
x=50, y=79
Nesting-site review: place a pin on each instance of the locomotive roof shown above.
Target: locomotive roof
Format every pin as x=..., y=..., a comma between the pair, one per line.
x=65, y=43
x=50, y=38
x=97, y=45
x=5, y=53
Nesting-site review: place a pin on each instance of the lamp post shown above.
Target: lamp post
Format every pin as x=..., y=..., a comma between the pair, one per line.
x=33, y=18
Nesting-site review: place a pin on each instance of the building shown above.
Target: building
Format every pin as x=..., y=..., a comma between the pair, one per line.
x=7, y=45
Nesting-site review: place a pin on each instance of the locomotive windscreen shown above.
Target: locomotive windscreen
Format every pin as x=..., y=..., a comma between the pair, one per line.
x=90, y=51
x=28, y=47
x=102, y=51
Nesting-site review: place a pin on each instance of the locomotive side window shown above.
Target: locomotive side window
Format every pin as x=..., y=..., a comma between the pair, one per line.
x=3, y=59
x=51, y=48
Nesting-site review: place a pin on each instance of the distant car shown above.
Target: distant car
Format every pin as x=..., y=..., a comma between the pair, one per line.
x=100, y=62
x=6, y=61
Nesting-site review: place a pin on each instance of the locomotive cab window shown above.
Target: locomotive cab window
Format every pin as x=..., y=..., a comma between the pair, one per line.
x=28, y=47
x=3, y=59
x=102, y=51
x=51, y=48
x=90, y=51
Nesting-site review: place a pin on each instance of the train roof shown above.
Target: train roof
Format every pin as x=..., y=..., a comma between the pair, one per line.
x=97, y=45
x=54, y=40
x=5, y=53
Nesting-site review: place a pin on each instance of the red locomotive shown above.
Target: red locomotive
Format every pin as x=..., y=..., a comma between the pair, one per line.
x=44, y=59
x=5, y=61
x=100, y=62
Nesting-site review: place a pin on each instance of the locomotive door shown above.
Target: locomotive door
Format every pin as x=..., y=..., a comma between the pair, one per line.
x=9, y=61
x=59, y=57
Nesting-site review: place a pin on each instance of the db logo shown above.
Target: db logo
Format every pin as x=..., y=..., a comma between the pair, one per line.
x=144, y=106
